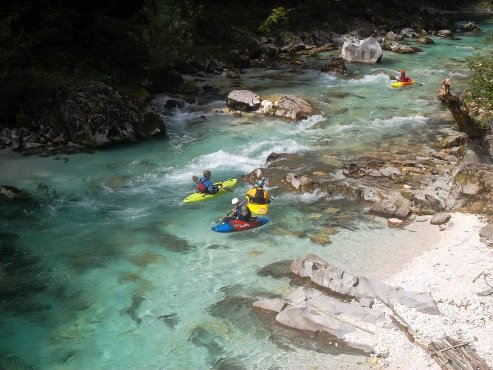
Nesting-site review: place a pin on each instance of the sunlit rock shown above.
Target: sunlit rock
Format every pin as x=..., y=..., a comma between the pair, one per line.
x=445, y=33
x=294, y=108
x=440, y=218
x=243, y=100
x=362, y=51
x=343, y=282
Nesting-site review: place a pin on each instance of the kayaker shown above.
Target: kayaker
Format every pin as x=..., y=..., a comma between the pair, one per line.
x=257, y=194
x=204, y=184
x=240, y=212
x=403, y=77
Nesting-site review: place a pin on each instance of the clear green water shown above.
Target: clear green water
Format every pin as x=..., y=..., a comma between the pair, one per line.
x=111, y=271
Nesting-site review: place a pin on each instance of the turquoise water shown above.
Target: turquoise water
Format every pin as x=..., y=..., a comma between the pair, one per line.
x=107, y=269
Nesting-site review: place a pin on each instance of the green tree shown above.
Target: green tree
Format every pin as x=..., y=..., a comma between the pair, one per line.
x=166, y=31
x=277, y=20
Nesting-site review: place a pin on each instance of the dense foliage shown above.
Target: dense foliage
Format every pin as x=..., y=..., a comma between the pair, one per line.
x=481, y=80
x=45, y=43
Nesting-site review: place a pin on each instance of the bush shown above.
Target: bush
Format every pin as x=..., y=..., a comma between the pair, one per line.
x=276, y=21
x=481, y=80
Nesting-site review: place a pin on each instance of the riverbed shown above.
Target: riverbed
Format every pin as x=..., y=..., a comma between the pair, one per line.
x=108, y=269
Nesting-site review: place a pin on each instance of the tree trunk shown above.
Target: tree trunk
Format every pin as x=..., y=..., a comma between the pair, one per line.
x=459, y=110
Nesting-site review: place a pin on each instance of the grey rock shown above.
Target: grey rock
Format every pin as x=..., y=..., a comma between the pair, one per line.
x=384, y=207
x=391, y=36
x=440, y=218
x=398, y=48
x=486, y=233
x=394, y=222
x=362, y=51
x=409, y=32
x=346, y=283
x=445, y=33
x=391, y=171
x=243, y=100
x=309, y=310
x=488, y=143
x=436, y=202
x=471, y=188
x=471, y=27
x=294, y=108
x=272, y=305
x=425, y=40
x=403, y=212
x=453, y=140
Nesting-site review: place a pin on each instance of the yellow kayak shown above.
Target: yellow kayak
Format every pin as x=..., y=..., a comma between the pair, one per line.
x=258, y=209
x=199, y=197
x=401, y=84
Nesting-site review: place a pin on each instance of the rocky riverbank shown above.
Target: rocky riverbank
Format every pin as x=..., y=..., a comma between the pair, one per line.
x=444, y=292
x=82, y=116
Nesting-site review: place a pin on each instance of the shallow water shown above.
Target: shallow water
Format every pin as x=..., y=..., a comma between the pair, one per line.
x=106, y=268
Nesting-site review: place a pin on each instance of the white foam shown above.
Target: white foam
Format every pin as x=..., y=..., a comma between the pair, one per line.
x=307, y=123
x=370, y=79
x=262, y=149
x=304, y=197
x=418, y=118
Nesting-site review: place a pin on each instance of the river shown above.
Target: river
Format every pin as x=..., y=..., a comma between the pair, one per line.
x=108, y=269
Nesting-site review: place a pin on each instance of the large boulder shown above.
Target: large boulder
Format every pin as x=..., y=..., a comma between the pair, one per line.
x=346, y=283
x=243, y=100
x=94, y=114
x=85, y=114
x=362, y=51
x=294, y=108
x=309, y=310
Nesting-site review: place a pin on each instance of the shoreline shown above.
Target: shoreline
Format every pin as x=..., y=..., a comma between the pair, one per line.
x=447, y=271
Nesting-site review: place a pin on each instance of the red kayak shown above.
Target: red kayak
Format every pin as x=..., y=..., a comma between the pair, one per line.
x=239, y=225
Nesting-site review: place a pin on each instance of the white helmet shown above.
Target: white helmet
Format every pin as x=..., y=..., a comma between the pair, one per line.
x=234, y=200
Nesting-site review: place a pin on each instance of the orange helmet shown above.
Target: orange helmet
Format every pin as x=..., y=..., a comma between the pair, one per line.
x=403, y=71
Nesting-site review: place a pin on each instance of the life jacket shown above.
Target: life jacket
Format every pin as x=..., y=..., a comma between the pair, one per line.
x=259, y=197
x=201, y=186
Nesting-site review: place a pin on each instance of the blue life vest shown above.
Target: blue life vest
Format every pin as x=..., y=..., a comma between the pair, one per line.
x=205, y=186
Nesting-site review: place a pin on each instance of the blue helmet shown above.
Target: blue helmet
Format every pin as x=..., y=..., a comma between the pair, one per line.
x=260, y=183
